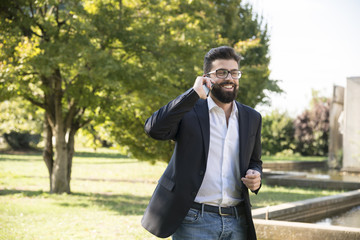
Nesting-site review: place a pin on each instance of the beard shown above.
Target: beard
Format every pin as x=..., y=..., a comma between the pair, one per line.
x=224, y=96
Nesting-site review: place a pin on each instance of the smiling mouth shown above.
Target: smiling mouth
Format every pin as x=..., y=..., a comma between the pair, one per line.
x=227, y=85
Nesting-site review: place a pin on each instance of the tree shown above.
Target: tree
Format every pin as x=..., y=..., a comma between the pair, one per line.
x=245, y=31
x=55, y=55
x=312, y=127
x=112, y=63
x=209, y=24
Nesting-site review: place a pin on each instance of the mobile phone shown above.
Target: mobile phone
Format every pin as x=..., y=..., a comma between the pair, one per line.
x=206, y=89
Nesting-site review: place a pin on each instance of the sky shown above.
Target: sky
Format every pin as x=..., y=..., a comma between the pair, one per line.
x=314, y=45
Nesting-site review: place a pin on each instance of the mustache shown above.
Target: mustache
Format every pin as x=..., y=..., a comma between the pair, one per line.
x=225, y=83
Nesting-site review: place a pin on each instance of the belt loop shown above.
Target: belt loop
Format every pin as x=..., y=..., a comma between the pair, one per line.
x=236, y=213
x=202, y=210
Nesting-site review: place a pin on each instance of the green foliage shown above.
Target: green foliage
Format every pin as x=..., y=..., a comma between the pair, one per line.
x=185, y=31
x=277, y=134
x=18, y=115
x=45, y=41
x=119, y=61
x=306, y=135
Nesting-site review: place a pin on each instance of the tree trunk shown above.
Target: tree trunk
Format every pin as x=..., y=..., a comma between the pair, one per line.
x=63, y=129
x=48, y=152
x=60, y=183
x=70, y=151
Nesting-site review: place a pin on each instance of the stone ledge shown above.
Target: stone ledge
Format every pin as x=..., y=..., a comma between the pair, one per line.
x=351, y=169
x=280, y=230
x=309, y=209
x=294, y=165
x=301, y=181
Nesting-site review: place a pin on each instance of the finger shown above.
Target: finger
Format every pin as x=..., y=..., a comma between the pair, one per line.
x=248, y=181
x=251, y=176
x=207, y=81
x=252, y=184
x=252, y=172
x=198, y=87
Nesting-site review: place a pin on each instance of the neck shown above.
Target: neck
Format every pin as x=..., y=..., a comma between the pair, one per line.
x=227, y=107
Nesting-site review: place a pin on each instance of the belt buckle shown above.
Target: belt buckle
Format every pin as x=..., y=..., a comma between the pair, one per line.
x=223, y=214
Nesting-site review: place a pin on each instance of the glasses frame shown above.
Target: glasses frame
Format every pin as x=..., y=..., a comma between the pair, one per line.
x=228, y=72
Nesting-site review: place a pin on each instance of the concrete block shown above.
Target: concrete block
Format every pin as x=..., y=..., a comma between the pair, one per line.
x=335, y=135
x=310, y=209
x=351, y=139
x=280, y=230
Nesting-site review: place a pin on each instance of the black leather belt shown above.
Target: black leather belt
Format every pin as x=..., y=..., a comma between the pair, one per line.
x=223, y=211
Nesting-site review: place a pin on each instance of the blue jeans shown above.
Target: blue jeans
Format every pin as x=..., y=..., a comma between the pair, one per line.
x=211, y=226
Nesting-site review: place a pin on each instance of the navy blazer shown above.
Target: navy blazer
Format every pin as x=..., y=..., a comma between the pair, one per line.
x=186, y=121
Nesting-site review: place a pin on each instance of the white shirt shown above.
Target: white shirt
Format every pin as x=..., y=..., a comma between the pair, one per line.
x=221, y=185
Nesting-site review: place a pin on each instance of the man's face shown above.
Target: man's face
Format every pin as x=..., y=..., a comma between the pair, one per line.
x=224, y=90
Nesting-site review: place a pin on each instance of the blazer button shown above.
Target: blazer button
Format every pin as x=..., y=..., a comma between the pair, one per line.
x=193, y=194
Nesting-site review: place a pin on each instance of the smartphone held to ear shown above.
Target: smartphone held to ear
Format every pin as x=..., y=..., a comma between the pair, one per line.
x=206, y=89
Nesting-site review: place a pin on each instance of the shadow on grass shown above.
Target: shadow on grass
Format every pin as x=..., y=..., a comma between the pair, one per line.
x=21, y=157
x=25, y=193
x=99, y=155
x=32, y=156
x=97, y=161
x=122, y=204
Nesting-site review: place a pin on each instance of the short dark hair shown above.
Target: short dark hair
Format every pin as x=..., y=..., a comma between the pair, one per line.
x=223, y=52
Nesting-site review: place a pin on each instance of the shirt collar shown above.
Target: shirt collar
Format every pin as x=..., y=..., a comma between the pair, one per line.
x=212, y=104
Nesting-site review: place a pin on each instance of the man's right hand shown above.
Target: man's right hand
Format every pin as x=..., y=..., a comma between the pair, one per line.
x=198, y=86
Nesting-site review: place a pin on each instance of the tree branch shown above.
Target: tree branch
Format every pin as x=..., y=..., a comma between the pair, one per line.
x=73, y=111
x=33, y=101
x=57, y=18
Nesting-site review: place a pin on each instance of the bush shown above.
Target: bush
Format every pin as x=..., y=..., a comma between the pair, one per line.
x=312, y=129
x=306, y=135
x=21, y=141
x=277, y=133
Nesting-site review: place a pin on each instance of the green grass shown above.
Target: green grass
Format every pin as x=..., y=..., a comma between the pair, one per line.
x=110, y=194
x=291, y=158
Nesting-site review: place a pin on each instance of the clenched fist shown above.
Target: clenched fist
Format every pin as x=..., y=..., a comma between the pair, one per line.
x=252, y=179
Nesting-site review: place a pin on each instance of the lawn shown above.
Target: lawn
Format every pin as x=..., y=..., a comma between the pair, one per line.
x=109, y=195
x=292, y=158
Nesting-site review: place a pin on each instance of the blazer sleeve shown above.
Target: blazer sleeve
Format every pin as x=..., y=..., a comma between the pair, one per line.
x=255, y=160
x=164, y=123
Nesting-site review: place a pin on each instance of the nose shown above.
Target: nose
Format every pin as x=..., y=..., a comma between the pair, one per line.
x=228, y=76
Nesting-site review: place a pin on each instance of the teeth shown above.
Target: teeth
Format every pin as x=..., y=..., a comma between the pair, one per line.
x=228, y=86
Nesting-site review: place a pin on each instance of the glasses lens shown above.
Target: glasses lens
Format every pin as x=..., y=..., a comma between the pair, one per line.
x=221, y=73
x=235, y=74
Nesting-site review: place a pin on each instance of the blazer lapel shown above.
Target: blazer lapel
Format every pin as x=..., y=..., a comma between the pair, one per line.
x=202, y=112
x=243, y=137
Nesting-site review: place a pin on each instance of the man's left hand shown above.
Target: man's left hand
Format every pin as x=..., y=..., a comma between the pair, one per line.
x=252, y=179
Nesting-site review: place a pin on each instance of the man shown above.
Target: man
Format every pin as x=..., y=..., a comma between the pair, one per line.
x=203, y=193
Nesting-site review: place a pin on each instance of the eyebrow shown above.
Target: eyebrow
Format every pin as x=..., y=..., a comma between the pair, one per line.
x=227, y=69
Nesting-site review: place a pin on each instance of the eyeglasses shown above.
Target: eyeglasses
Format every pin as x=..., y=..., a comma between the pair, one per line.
x=223, y=73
